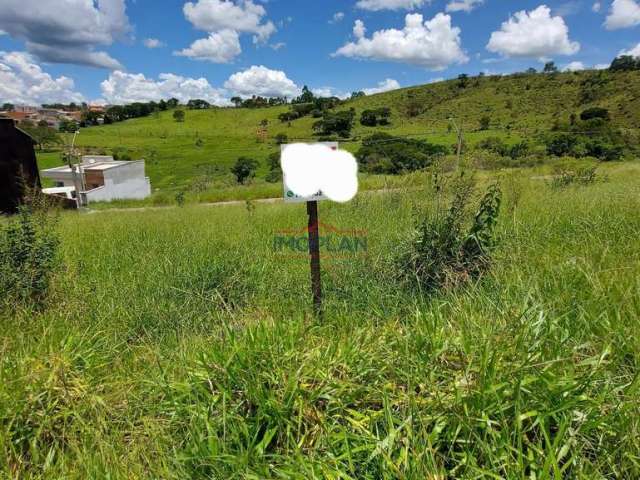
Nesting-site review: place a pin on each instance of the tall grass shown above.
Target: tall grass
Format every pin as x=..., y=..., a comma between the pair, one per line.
x=179, y=344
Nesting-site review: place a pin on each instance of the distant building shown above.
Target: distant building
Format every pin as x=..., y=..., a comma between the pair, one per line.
x=101, y=179
x=18, y=166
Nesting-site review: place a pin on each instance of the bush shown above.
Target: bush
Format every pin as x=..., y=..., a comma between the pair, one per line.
x=178, y=116
x=485, y=122
x=386, y=154
x=372, y=118
x=244, y=169
x=339, y=123
x=28, y=254
x=582, y=176
x=275, y=169
x=448, y=248
x=595, y=112
x=281, y=138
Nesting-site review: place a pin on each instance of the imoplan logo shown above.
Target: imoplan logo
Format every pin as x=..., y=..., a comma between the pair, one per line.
x=334, y=242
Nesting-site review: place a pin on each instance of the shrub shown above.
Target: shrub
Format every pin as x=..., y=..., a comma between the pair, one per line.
x=281, y=138
x=244, y=169
x=178, y=116
x=371, y=118
x=485, y=122
x=275, y=169
x=582, y=176
x=339, y=123
x=595, y=112
x=448, y=248
x=384, y=153
x=28, y=254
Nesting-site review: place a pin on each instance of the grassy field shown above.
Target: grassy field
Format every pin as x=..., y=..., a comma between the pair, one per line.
x=195, y=156
x=178, y=344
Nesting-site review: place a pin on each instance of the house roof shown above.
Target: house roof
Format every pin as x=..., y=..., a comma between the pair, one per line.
x=92, y=167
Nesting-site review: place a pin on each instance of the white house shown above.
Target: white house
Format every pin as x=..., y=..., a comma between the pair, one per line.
x=102, y=179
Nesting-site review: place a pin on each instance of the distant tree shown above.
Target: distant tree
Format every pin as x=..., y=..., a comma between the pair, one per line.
x=625, y=63
x=485, y=122
x=371, y=118
x=306, y=97
x=198, y=104
x=162, y=105
x=43, y=135
x=281, y=138
x=463, y=80
x=358, y=94
x=237, y=101
x=68, y=126
x=264, y=122
x=178, y=116
x=7, y=107
x=244, y=169
x=275, y=169
x=531, y=71
x=550, y=67
x=595, y=112
x=173, y=102
x=339, y=123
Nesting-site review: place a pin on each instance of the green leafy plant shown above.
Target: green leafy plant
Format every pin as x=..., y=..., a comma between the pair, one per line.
x=447, y=247
x=28, y=254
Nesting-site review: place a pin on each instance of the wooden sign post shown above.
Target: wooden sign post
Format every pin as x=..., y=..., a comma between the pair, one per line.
x=314, y=254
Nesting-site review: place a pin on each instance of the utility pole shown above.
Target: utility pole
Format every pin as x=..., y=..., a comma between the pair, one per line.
x=459, y=132
x=77, y=181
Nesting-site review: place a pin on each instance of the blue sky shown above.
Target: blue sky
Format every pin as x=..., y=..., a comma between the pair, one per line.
x=61, y=50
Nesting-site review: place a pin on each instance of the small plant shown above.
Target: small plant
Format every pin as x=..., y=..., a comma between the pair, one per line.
x=582, y=176
x=28, y=254
x=448, y=249
x=180, y=198
x=281, y=138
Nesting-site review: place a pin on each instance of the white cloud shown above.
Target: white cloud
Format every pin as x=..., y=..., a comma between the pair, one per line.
x=337, y=17
x=433, y=44
x=574, y=67
x=68, y=33
x=243, y=16
x=533, y=34
x=384, y=86
x=259, y=80
x=623, y=14
x=23, y=81
x=463, y=5
x=359, y=29
x=376, y=5
x=597, y=6
x=277, y=46
x=601, y=66
x=634, y=52
x=330, y=92
x=219, y=47
x=152, y=43
x=123, y=87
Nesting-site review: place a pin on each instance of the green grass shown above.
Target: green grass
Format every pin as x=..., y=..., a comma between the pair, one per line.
x=519, y=106
x=178, y=344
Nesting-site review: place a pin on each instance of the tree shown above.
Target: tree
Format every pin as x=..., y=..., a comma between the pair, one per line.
x=281, y=138
x=198, y=104
x=531, y=71
x=306, y=97
x=358, y=94
x=7, y=107
x=275, y=169
x=339, y=123
x=463, y=80
x=68, y=126
x=173, y=102
x=550, y=67
x=625, y=63
x=244, y=169
x=485, y=122
x=178, y=116
x=595, y=112
x=237, y=101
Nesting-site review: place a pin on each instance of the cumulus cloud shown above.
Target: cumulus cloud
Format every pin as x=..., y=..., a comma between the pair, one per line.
x=23, y=81
x=574, y=67
x=309, y=169
x=242, y=16
x=384, y=86
x=376, y=5
x=623, y=14
x=330, y=92
x=634, y=52
x=433, y=44
x=337, y=17
x=463, y=5
x=122, y=87
x=69, y=36
x=219, y=47
x=260, y=80
x=533, y=34
x=152, y=43
x=596, y=7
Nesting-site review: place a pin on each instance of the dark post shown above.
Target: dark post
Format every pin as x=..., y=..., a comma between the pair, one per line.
x=314, y=253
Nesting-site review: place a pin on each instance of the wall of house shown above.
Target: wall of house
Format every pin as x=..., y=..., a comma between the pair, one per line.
x=125, y=182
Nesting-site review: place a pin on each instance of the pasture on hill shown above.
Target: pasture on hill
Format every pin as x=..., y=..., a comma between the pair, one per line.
x=178, y=343
x=195, y=156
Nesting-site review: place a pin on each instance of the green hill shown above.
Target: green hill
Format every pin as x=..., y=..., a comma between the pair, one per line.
x=195, y=156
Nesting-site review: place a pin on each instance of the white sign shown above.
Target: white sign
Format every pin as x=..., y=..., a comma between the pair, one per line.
x=290, y=196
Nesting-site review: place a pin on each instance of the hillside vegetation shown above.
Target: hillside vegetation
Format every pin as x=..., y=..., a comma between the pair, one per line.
x=195, y=156
x=178, y=343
